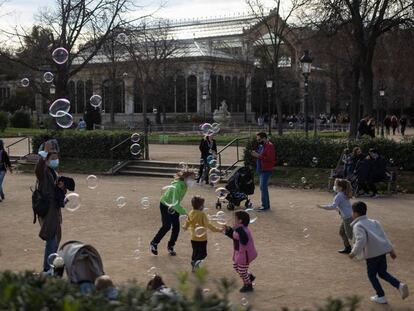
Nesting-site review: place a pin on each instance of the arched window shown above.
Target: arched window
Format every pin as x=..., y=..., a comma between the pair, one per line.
x=137, y=97
x=227, y=92
x=80, y=96
x=213, y=92
x=89, y=92
x=192, y=94
x=118, y=98
x=180, y=93
x=234, y=102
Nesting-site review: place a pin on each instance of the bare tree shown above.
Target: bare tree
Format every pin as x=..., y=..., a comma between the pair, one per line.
x=365, y=21
x=151, y=51
x=270, y=37
x=72, y=24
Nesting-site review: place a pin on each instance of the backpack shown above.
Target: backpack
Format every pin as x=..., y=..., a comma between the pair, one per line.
x=40, y=204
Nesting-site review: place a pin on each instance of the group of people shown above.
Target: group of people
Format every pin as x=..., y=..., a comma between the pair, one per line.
x=364, y=170
x=370, y=241
x=367, y=125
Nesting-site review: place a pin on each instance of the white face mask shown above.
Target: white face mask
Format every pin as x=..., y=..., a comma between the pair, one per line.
x=189, y=182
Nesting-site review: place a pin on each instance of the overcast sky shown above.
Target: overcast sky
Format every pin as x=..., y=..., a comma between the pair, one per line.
x=21, y=12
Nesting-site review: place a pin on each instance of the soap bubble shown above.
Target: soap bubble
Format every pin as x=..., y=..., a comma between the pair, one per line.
x=64, y=119
x=221, y=193
x=214, y=178
x=152, y=272
x=252, y=214
x=121, y=38
x=285, y=164
x=392, y=161
x=244, y=301
x=206, y=129
x=215, y=128
x=306, y=233
x=209, y=159
x=169, y=194
x=200, y=231
x=303, y=179
x=48, y=77
x=137, y=254
x=145, y=202
x=154, y=111
x=72, y=202
x=135, y=149
x=60, y=56
x=92, y=181
x=182, y=166
x=120, y=201
x=135, y=137
x=51, y=258
x=95, y=101
x=213, y=163
x=60, y=104
x=25, y=82
x=291, y=124
x=206, y=291
x=171, y=210
x=217, y=246
x=183, y=217
x=315, y=161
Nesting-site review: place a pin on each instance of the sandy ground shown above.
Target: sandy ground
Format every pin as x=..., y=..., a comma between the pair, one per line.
x=291, y=270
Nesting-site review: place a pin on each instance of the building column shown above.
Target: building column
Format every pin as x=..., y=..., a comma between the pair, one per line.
x=248, y=93
x=205, y=85
x=129, y=95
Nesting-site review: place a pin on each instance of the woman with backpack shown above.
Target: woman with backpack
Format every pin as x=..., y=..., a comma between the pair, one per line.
x=4, y=165
x=50, y=230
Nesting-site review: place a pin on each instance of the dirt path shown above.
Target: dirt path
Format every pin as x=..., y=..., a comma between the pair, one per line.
x=291, y=270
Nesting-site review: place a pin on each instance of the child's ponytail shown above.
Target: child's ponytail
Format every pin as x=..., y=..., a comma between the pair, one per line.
x=345, y=186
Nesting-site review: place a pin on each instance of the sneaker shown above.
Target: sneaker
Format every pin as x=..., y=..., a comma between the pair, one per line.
x=48, y=272
x=197, y=264
x=381, y=300
x=171, y=251
x=403, y=289
x=246, y=288
x=263, y=209
x=153, y=248
x=346, y=250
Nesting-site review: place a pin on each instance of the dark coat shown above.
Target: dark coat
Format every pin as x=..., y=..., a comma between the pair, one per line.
x=4, y=160
x=363, y=170
x=378, y=169
x=51, y=223
x=205, y=147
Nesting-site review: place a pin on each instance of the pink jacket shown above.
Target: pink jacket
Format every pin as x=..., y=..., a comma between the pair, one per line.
x=244, y=253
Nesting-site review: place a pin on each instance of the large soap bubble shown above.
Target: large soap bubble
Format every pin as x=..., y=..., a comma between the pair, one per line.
x=60, y=56
x=169, y=196
x=64, y=119
x=48, y=77
x=72, y=202
x=60, y=104
x=25, y=82
x=95, y=101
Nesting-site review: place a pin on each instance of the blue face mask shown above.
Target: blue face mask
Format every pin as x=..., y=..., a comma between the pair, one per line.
x=53, y=163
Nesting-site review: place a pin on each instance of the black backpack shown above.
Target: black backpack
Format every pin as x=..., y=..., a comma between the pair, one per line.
x=40, y=204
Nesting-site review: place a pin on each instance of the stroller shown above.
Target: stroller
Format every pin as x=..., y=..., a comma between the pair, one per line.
x=240, y=186
x=83, y=263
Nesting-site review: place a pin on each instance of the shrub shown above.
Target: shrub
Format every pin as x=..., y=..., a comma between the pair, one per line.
x=90, y=144
x=20, y=119
x=299, y=151
x=4, y=120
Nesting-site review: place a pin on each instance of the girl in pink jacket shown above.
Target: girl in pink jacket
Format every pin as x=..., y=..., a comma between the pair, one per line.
x=244, y=250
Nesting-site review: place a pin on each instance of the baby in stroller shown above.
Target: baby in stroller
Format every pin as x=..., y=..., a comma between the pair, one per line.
x=240, y=186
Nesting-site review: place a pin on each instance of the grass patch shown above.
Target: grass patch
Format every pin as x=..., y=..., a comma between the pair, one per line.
x=16, y=132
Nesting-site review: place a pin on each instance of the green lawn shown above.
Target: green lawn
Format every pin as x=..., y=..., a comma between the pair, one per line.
x=15, y=132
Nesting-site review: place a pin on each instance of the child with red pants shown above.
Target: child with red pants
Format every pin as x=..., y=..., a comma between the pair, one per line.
x=244, y=250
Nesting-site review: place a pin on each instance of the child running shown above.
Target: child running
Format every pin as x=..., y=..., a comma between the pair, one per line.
x=170, y=216
x=342, y=203
x=198, y=221
x=244, y=250
x=372, y=244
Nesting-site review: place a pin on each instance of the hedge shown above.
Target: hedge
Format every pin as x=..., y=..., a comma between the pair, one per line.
x=299, y=151
x=28, y=291
x=90, y=144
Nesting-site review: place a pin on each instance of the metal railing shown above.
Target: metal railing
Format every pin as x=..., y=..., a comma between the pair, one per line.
x=18, y=141
x=114, y=148
x=238, y=160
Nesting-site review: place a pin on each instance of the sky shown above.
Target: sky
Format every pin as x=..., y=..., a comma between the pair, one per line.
x=22, y=12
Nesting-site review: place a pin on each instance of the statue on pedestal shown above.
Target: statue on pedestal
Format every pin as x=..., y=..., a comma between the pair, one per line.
x=222, y=115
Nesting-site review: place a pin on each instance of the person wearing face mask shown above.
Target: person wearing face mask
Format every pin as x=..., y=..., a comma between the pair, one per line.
x=170, y=214
x=50, y=230
x=342, y=204
x=265, y=161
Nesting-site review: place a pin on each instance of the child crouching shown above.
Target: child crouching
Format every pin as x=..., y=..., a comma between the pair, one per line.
x=244, y=250
x=198, y=221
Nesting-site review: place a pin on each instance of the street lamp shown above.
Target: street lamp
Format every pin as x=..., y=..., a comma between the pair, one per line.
x=382, y=94
x=52, y=89
x=204, y=97
x=306, y=61
x=269, y=84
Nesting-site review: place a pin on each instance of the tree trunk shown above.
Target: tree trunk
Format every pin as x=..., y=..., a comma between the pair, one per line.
x=367, y=91
x=354, y=109
x=279, y=112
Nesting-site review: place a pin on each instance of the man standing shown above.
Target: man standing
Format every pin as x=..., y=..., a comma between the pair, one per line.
x=265, y=161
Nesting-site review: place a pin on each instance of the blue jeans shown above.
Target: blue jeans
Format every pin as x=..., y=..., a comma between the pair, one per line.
x=2, y=174
x=264, y=178
x=51, y=247
x=378, y=265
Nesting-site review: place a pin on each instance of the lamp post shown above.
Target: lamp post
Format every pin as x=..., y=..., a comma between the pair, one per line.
x=306, y=61
x=52, y=89
x=204, y=97
x=269, y=84
x=382, y=94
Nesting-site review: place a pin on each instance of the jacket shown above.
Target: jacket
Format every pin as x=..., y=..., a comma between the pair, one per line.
x=175, y=195
x=243, y=244
x=206, y=147
x=51, y=223
x=370, y=239
x=342, y=203
x=378, y=169
x=198, y=218
x=4, y=160
x=267, y=157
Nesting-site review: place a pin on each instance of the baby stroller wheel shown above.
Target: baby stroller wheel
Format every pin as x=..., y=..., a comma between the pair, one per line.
x=230, y=206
